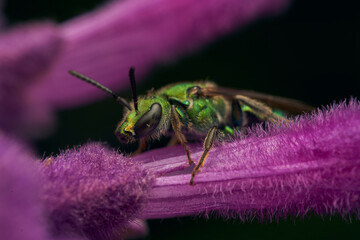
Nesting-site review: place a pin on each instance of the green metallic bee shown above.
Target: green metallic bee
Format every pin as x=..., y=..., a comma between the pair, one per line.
x=195, y=110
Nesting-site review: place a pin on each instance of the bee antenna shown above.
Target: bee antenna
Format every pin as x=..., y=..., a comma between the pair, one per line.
x=120, y=100
x=133, y=87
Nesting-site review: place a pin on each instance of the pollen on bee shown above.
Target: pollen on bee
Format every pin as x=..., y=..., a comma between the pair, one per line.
x=129, y=128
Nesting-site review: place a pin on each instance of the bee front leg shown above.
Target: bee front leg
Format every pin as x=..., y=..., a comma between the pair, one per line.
x=176, y=125
x=208, y=143
x=141, y=148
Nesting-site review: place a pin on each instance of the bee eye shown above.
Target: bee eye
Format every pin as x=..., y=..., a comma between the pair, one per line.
x=149, y=121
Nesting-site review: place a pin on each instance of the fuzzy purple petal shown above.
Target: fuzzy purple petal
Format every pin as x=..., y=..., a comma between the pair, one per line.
x=310, y=165
x=22, y=63
x=105, y=43
x=20, y=209
x=93, y=191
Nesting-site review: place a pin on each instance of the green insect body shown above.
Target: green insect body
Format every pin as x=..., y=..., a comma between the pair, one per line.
x=197, y=114
x=194, y=110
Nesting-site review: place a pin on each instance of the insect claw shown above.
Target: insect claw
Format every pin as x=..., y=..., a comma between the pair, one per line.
x=192, y=181
x=191, y=162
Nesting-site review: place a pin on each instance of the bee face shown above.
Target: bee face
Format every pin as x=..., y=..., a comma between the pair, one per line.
x=148, y=122
x=141, y=123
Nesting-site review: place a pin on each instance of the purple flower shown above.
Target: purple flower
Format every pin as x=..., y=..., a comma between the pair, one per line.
x=94, y=192
x=308, y=165
x=91, y=192
x=311, y=164
x=20, y=208
x=103, y=44
x=22, y=64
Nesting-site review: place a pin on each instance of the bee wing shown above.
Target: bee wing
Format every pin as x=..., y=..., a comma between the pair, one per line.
x=252, y=99
x=259, y=108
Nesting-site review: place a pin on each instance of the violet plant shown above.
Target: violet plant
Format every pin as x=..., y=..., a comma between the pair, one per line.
x=21, y=209
x=103, y=44
x=93, y=191
x=19, y=193
x=310, y=165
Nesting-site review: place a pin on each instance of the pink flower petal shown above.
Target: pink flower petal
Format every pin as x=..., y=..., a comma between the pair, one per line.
x=92, y=191
x=20, y=209
x=27, y=53
x=309, y=165
x=105, y=43
x=35, y=59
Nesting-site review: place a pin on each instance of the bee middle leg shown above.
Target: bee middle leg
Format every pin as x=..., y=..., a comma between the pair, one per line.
x=208, y=143
x=176, y=125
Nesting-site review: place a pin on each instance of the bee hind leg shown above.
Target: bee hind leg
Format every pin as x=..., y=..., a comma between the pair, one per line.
x=208, y=143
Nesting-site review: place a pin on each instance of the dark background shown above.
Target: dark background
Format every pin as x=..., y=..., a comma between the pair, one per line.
x=310, y=53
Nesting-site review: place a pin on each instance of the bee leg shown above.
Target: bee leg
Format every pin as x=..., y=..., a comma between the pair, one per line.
x=141, y=148
x=176, y=125
x=208, y=143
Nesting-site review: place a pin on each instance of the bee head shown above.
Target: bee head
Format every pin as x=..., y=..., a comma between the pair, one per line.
x=147, y=117
x=148, y=120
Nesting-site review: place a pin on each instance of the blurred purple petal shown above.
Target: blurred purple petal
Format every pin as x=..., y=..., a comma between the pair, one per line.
x=26, y=55
x=20, y=209
x=35, y=58
x=93, y=191
x=310, y=165
x=105, y=43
